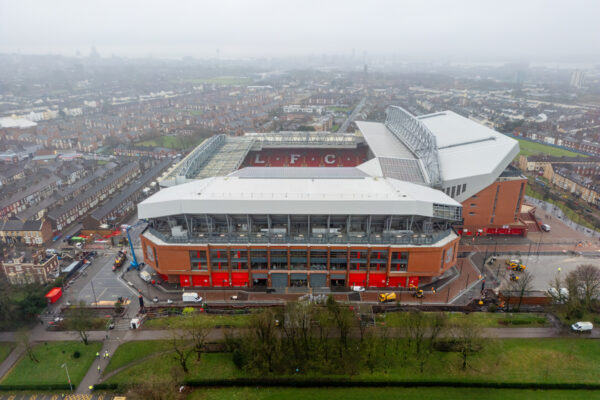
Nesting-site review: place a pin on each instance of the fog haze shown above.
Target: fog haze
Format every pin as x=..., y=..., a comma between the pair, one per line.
x=474, y=31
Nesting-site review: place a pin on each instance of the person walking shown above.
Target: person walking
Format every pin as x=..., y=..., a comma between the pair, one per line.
x=97, y=354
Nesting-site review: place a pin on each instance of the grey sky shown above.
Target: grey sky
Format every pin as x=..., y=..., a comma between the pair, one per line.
x=457, y=30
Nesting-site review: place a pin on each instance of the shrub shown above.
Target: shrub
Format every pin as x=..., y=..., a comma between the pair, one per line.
x=76, y=354
x=238, y=358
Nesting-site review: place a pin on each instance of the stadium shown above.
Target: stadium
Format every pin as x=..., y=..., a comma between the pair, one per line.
x=383, y=207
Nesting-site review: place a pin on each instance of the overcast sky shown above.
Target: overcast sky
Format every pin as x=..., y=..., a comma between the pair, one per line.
x=445, y=30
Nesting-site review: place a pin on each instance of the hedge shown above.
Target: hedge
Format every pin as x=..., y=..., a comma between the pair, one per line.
x=47, y=386
x=312, y=383
x=287, y=382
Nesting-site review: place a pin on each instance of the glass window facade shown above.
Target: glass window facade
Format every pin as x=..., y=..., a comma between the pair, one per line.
x=198, y=260
x=399, y=261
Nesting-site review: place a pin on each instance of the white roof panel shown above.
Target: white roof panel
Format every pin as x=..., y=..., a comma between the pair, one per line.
x=382, y=142
x=467, y=148
x=233, y=195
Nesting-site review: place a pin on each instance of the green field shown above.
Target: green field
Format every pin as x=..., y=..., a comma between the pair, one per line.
x=420, y=393
x=484, y=320
x=159, y=369
x=507, y=360
x=171, y=142
x=225, y=80
x=5, y=349
x=237, y=321
x=132, y=351
x=51, y=356
x=529, y=148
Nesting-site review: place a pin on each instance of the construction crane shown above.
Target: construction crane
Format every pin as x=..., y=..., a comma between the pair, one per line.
x=134, y=262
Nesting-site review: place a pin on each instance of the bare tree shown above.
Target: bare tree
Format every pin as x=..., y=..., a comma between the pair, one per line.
x=557, y=290
x=422, y=330
x=521, y=286
x=80, y=319
x=181, y=350
x=343, y=319
x=323, y=319
x=297, y=328
x=196, y=329
x=24, y=340
x=588, y=277
x=467, y=340
x=265, y=340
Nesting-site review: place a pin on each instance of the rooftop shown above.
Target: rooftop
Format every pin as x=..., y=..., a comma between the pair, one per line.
x=301, y=196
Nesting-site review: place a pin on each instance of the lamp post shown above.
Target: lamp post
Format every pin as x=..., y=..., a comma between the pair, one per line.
x=68, y=377
x=94, y=292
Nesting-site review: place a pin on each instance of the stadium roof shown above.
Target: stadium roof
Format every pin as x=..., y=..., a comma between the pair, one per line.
x=356, y=196
x=296, y=173
x=467, y=148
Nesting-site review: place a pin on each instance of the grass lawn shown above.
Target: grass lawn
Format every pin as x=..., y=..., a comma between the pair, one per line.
x=423, y=393
x=237, y=320
x=51, y=356
x=529, y=148
x=159, y=369
x=506, y=360
x=5, y=349
x=485, y=320
x=131, y=351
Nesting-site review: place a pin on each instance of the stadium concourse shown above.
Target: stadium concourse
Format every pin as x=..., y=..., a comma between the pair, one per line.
x=381, y=208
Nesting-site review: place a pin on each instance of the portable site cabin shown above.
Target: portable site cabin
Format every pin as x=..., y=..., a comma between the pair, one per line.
x=53, y=295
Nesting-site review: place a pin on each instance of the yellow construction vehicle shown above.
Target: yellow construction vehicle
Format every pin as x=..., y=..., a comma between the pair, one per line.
x=517, y=267
x=385, y=297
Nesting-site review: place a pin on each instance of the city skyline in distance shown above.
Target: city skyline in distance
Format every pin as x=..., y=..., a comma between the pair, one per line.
x=463, y=31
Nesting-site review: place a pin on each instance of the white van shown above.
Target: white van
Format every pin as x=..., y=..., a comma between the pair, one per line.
x=582, y=326
x=191, y=297
x=145, y=276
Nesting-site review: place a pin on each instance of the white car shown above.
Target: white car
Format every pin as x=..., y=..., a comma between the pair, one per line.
x=357, y=288
x=545, y=227
x=582, y=326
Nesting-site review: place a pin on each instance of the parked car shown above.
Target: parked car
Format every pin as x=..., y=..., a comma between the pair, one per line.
x=357, y=288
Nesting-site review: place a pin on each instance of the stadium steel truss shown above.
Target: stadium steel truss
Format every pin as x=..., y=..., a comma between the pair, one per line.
x=415, y=135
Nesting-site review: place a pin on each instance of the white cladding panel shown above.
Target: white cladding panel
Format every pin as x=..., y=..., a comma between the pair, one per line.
x=231, y=195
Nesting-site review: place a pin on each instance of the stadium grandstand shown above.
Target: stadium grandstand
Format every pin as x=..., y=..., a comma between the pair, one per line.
x=382, y=207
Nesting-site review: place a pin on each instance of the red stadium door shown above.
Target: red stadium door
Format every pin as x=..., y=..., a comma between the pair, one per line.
x=220, y=279
x=184, y=280
x=397, y=281
x=240, y=279
x=376, y=280
x=200, y=280
x=358, y=279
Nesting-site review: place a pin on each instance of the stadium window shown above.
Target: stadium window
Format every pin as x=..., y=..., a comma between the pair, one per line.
x=453, y=191
x=464, y=187
x=471, y=213
x=448, y=191
x=473, y=204
x=458, y=190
